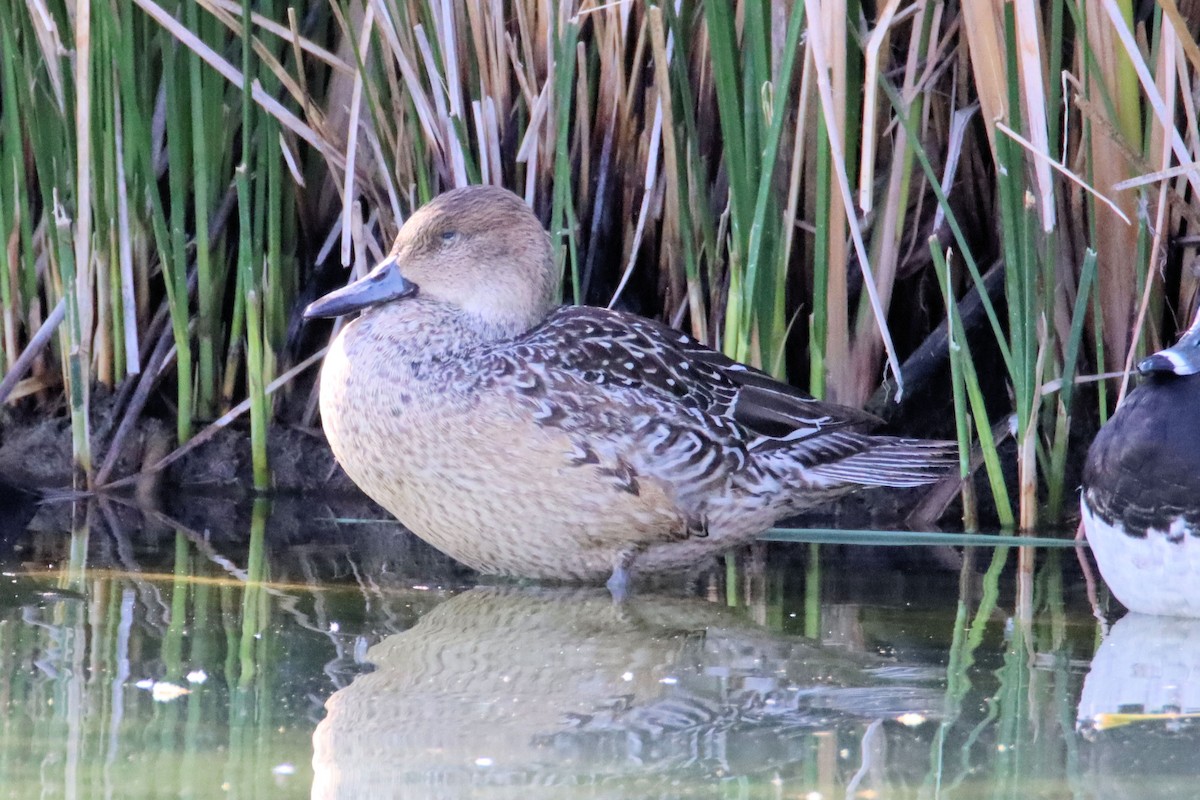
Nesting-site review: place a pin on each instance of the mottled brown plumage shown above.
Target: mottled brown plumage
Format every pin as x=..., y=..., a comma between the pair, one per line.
x=567, y=443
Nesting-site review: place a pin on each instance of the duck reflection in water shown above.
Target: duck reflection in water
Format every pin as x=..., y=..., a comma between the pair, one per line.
x=1140, y=709
x=527, y=690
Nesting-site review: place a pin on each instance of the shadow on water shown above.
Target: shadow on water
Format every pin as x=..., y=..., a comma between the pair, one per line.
x=276, y=650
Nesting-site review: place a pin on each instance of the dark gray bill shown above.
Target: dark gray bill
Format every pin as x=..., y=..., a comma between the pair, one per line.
x=381, y=285
x=1182, y=359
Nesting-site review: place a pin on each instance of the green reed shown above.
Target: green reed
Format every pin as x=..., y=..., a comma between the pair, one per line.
x=178, y=295
x=204, y=134
x=695, y=233
x=562, y=214
x=752, y=108
x=681, y=155
x=248, y=275
x=965, y=382
x=147, y=243
x=1057, y=459
x=1041, y=340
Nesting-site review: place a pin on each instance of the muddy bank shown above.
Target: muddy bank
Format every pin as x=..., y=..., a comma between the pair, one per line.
x=35, y=452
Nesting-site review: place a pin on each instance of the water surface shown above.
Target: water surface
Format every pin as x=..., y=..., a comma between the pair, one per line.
x=279, y=650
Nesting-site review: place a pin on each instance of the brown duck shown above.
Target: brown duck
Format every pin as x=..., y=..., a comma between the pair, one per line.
x=567, y=443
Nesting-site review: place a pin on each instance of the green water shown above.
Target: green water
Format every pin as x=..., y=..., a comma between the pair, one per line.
x=272, y=651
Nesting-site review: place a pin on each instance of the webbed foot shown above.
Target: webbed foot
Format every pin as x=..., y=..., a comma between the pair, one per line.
x=620, y=583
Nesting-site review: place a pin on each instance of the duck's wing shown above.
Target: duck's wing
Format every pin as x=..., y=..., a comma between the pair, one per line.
x=601, y=346
x=687, y=414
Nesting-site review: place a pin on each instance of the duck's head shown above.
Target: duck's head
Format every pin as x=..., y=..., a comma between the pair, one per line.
x=479, y=249
x=1182, y=359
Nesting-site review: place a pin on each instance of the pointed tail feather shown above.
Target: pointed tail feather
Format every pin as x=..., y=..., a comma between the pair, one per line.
x=893, y=461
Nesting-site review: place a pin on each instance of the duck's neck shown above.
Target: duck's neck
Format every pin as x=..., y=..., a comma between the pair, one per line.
x=435, y=330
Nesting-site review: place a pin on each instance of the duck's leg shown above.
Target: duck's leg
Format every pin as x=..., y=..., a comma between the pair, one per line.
x=621, y=581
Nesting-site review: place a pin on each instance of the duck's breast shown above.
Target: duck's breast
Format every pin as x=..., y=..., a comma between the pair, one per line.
x=475, y=474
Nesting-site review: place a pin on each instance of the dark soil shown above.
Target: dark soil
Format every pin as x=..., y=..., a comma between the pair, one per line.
x=35, y=453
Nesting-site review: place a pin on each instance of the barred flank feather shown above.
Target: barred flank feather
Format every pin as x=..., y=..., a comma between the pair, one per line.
x=695, y=419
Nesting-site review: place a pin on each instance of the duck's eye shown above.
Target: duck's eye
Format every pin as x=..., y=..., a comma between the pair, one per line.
x=449, y=236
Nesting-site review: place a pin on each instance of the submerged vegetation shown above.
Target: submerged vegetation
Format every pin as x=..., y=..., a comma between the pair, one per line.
x=839, y=192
